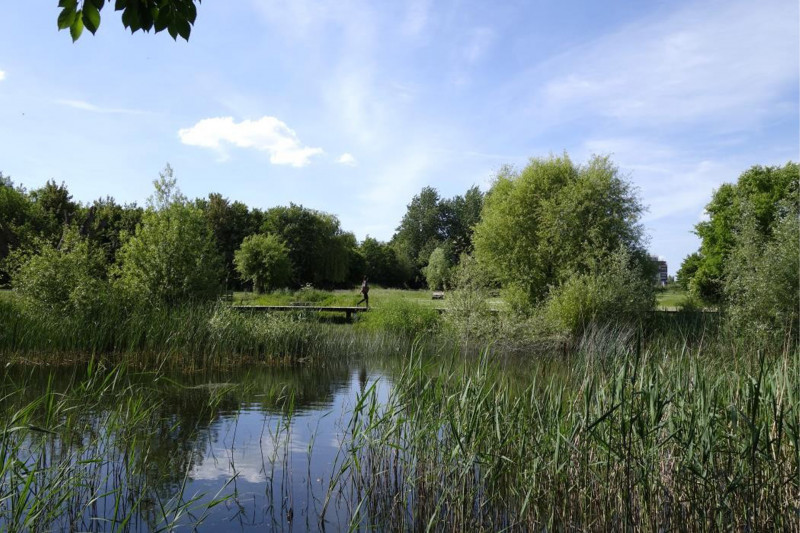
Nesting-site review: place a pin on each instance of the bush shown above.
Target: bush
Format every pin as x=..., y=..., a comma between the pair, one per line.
x=173, y=256
x=68, y=279
x=762, y=286
x=620, y=292
x=401, y=317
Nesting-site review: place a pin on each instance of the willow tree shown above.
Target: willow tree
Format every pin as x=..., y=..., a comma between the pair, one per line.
x=554, y=220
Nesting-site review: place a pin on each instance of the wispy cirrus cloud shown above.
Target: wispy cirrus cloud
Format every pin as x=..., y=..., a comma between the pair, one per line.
x=86, y=106
x=267, y=134
x=723, y=63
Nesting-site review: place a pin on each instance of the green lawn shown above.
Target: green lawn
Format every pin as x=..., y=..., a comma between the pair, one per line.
x=670, y=299
x=377, y=296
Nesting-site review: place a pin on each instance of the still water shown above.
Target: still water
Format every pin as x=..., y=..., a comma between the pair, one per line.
x=253, y=450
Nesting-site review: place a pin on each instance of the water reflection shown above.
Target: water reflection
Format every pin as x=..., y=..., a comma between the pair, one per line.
x=263, y=446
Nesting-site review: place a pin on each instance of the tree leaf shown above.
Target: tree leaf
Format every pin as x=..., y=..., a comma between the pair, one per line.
x=76, y=28
x=66, y=17
x=98, y=4
x=91, y=17
x=184, y=29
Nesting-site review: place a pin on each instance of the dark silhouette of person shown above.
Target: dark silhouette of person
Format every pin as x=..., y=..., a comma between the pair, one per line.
x=364, y=293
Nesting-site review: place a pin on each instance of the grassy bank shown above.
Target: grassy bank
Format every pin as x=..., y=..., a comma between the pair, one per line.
x=191, y=336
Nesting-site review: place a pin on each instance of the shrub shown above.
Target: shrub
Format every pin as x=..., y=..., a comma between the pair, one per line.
x=618, y=293
x=762, y=286
x=65, y=279
x=401, y=317
x=173, y=255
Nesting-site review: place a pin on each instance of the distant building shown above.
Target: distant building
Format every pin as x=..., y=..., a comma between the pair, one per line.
x=661, y=274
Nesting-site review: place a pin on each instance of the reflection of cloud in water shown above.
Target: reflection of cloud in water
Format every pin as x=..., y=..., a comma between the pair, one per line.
x=256, y=445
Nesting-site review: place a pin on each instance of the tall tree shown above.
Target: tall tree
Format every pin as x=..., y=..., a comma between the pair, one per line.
x=761, y=191
x=230, y=224
x=555, y=219
x=318, y=248
x=172, y=257
x=421, y=229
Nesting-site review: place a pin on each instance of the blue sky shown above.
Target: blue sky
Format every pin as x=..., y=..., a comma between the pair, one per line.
x=351, y=107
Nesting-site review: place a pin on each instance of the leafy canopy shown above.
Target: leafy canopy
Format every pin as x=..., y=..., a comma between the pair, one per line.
x=553, y=220
x=264, y=261
x=760, y=198
x=175, y=16
x=173, y=256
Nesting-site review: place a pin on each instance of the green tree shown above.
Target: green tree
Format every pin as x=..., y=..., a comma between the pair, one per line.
x=230, y=224
x=381, y=263
x=762, y=284
x=460, y=214
x=16, y=229
x=318, y=248
x=54, y=210
x=554, y=220
x=172, y=257
x=264, y=261
x=105, y=222
x=437, y=273
x=762, y=190
x=421, y=229
x=688, y=269
x=63, y=279
x=175, y=16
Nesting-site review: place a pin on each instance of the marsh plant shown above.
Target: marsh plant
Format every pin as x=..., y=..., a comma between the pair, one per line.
x=618, y=439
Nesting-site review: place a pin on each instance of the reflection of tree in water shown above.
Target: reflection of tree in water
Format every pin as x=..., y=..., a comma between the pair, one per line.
x=147, y=459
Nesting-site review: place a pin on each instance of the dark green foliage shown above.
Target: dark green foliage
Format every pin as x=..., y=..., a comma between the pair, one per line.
x=318, y=248
x=688, y=269
x=175, y=16
x=381, y=263
x=105, y=222
x=230, y=223
x=430, y=222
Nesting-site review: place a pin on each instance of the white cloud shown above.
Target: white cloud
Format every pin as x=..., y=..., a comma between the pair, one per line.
x=86, y=106
x=267, y=134
x=724, y=62
x=347, y=159
x=2, y=75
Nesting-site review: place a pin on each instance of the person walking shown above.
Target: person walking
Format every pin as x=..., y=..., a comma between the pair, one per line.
x=364, y=293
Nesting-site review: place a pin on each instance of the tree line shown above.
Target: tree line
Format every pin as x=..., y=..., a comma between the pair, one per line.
x=282, y=246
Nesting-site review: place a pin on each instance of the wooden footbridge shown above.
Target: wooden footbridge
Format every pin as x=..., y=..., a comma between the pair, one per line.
x=349, y=311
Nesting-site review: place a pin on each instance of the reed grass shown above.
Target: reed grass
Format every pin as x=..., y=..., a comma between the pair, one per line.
x=81, y=458
x=616, y=437
x=190, y=337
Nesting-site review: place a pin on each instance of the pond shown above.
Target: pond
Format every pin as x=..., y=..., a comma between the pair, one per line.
x=249, y=450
